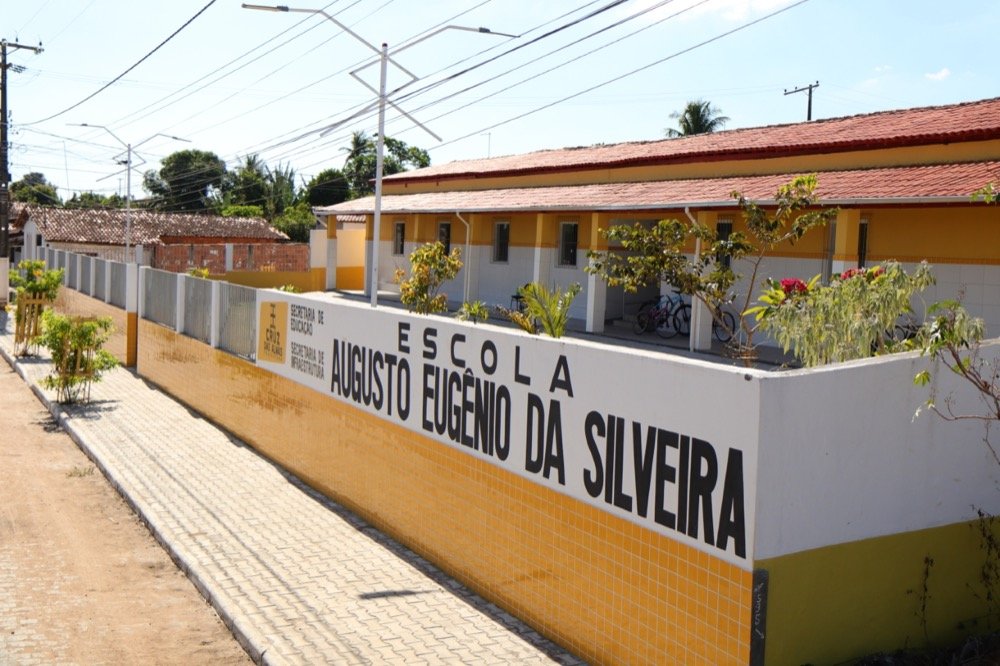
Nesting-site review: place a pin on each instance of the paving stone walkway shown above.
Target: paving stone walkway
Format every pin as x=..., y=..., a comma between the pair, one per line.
x=296, y=577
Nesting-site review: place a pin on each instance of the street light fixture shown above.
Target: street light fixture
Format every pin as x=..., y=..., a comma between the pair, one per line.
x=129, y=148
x=384, y=58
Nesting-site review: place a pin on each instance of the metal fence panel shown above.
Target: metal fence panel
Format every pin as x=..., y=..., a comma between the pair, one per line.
x=86, y=264
x=198, y=308
x=238, y=320
x=71, y=266
x=160, y=297
x=118, y=283
x=100, y=278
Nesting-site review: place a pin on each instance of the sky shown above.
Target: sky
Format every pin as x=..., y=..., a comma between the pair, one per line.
x=240, y=82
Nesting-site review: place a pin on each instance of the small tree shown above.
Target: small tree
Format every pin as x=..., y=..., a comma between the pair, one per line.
x=430, y=267
x=659, y=254
x=78, y=357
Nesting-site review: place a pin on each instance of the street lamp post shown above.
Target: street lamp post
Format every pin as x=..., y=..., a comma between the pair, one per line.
x=384, y=58
x=129, y=148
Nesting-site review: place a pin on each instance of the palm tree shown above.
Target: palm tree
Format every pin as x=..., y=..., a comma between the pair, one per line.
x=698, y=117
x=360, y=144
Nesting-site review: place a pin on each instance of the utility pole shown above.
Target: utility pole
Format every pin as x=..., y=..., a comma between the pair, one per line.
x=4, y=120
x=809, y=88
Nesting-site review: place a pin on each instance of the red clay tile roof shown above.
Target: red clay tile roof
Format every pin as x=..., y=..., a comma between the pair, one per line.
x=107, y=227
x=969, y=121
x=953, y=183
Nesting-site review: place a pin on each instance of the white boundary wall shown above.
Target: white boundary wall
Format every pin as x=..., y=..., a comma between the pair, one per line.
x=548, y=407
x=843, y=457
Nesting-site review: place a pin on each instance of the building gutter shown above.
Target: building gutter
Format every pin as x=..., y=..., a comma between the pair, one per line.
x=673, y=205
x=468, y=256
x=695, y=310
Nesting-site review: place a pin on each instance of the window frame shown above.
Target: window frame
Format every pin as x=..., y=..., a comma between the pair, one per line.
x=444, y=235
x=497, y=225
x=399, y=238
x=562, y=259
x=723, y=230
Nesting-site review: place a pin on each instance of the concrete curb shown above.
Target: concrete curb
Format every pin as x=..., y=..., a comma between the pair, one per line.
x=254, y=646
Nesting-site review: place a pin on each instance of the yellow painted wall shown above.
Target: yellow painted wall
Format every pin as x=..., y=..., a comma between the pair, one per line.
x=935, y=154
x=959, y=234
x=829, y=605
x=351, y=248
x=606, y=589
x=74, y=303
x=351, y=277
x=312, y=280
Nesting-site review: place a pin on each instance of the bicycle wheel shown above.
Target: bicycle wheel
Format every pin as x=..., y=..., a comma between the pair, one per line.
x=665, y=325
x=642, y=323
x=724, y=331
x=682, y=319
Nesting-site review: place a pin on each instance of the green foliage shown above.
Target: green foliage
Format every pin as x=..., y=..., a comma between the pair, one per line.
x=78, y=358
x=987, y=194
x=33, y=188
x=198, y=272
x=476, y=311
x=660, y=253
x=845, y=320
x=288, y=288
x=241, y=210
x=549, y=308
x=698, y=117
x=246, y=185
x=33, y=279
x=523, y=321
x=297, y=221
x=186, y=182
x=430, y=267
x=326, y=188
x=360, y=165
x=952, y=337
x=89, y=200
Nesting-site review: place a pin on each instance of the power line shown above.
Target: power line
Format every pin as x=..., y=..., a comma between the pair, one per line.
x=659, y=61
x=117, y=78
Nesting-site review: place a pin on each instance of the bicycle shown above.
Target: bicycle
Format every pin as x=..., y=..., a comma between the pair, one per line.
x=660, y=314
x=723, y=322
x=723, y=325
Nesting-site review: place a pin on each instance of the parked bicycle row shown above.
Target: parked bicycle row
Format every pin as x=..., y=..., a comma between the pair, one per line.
x=670, y=315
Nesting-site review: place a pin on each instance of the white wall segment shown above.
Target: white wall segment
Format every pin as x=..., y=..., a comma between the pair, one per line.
x=666, y=442
x=842, y=457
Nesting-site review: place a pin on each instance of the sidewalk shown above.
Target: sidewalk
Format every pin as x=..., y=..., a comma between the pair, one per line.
x=297, y=578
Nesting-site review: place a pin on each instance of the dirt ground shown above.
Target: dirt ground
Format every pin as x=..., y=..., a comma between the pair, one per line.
x=81, y=579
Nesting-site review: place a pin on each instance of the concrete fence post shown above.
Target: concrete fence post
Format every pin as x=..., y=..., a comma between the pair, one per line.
x=4, y=280
x=215, y=321
x=181, y=293
x=134, y=304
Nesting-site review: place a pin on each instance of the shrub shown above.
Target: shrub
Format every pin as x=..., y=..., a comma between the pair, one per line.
x=475, y=312
x=78, y=357
x=33, y=279
x=550, y=308
x=430, y=267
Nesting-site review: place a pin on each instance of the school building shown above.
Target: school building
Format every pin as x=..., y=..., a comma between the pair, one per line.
x=902, y=180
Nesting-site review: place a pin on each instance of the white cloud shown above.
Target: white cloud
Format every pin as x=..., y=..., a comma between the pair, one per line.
x=940, y=75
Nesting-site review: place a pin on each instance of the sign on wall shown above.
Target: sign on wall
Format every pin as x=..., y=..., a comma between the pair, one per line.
x=667, y=443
